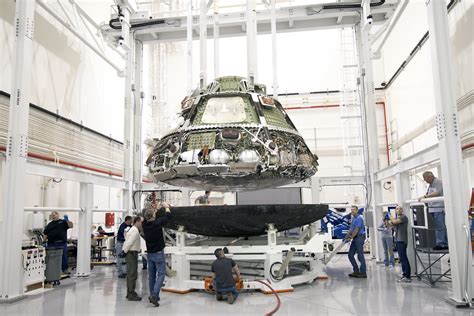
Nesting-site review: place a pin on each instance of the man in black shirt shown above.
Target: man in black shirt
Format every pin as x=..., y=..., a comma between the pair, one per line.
x=223, y=269
x=119, y=245
x=55, y=234
x=155, y=244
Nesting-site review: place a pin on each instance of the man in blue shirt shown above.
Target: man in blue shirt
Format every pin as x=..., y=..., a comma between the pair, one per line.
x=357, y=235
x=119, y=245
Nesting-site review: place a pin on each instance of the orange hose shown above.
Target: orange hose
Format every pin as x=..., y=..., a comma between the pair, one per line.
x=273, y=311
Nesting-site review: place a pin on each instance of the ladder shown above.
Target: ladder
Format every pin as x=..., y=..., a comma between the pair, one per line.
x=350, y=109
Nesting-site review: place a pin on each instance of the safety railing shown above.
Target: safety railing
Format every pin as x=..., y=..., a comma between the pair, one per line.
x=37, y=209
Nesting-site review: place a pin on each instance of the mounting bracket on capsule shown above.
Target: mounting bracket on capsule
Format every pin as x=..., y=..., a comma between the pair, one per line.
x=269, y=144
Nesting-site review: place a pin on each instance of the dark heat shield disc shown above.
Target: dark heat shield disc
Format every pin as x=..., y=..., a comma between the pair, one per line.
x=243, y=220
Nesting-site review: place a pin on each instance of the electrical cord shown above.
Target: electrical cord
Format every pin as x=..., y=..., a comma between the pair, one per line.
x=273, y=311
x=350, y=5
x=112, y=22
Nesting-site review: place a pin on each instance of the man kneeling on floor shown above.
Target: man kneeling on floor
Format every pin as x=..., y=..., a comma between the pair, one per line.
x=224, y=283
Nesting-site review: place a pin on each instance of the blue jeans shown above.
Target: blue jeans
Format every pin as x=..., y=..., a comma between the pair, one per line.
x=156, y=272
x=402, y=255
x=121, y=268
x=441, y=233
x=232, y=290
x=225, y=290
x=357, y=246
x=387, y=243
x=63, y=246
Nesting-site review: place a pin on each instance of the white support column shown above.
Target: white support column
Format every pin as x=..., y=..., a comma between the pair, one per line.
x=274, y=49
x=137, y=118
x=185, y=197
x=189, y=49
x=128, y=127
x=216, y=38
x=403, y=191
x=11, y=234
x=86, y=201
x=251, y=43
x=377, y=247
x=456, y=195
x=203, y=45
x=272, y=254
x=180, y=266
x=315, y=190
x=367, y=77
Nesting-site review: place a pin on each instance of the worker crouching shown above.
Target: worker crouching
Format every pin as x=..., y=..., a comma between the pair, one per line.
x=223, y=269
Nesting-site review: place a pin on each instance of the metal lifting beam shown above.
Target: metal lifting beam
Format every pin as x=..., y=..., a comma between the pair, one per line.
x=287, y=19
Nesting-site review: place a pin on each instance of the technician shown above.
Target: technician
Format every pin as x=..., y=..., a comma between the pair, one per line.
x=130, y=250
x=203, y=199
x=121, y=271
x=401, y=230
x=55, y=234
x=155, y=245
x=436, y=209
x=356, y=234
x=224, y=283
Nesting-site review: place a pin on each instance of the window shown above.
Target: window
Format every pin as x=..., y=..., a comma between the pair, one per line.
x=224, y=110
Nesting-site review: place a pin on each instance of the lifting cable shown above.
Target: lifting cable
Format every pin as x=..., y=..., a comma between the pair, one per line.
x=273, y=311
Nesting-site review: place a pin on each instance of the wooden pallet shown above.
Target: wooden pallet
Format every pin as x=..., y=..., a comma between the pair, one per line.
x=34, y=286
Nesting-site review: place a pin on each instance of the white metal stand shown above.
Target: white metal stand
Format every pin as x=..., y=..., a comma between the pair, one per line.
x=11, y=270
x=455, y=193
x=313, y=251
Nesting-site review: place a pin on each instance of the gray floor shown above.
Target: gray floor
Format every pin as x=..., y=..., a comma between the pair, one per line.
x=104, y=294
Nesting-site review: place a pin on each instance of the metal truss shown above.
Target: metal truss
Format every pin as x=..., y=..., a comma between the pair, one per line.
x=56, y=171
x=287, y=19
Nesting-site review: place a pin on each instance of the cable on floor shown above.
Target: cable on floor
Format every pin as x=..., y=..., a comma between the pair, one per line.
x=273, y=311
